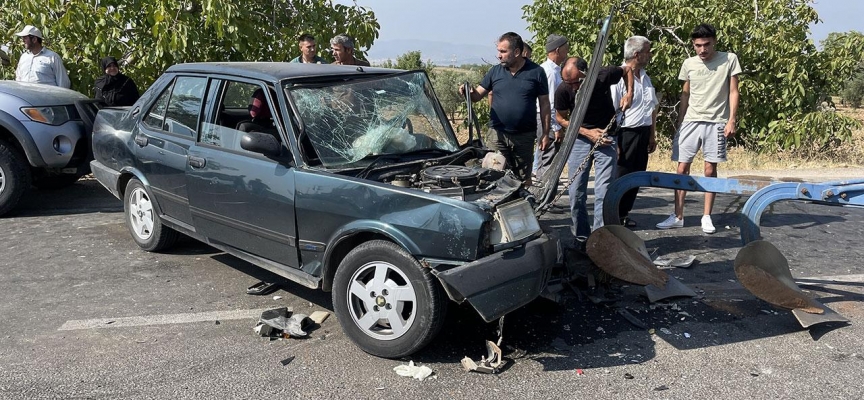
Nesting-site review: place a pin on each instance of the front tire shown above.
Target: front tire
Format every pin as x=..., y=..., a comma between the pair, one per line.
x=14, y=177
x=143, y=221
x=386, y=302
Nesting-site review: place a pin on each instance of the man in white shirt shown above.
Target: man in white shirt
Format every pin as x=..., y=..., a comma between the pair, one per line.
x=38, y=64
x=636, y=137
x=557, y=48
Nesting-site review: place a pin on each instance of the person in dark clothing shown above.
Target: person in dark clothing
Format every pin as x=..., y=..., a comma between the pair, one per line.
x=598, y=114
x=518, y=84
x=114, y=88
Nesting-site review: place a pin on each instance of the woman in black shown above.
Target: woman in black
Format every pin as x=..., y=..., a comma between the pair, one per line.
x=114, y=88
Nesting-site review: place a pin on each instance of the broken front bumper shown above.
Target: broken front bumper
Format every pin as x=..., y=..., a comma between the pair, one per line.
x=502, y=282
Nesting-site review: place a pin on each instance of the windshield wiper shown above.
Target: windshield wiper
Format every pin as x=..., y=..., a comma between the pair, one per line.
x=366, y=170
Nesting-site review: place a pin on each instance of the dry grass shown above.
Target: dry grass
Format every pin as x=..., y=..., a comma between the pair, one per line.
x=846, y=155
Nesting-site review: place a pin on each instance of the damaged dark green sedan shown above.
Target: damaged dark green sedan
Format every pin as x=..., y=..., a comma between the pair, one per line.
x=341, y=178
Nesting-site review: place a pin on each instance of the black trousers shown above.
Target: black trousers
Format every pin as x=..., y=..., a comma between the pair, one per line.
x=633, y=157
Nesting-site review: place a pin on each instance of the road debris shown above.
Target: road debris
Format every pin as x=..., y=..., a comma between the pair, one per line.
x=413, y=371
x=319, y=316
x=631, y=318
x=677, y=262
x=287, y=361
x=280, y=322
x=628, y=376
x=488, y=364
x=261, y=288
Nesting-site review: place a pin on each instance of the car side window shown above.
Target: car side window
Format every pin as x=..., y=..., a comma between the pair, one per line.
x=155, y=117
x=239, y=110
x=184, y=107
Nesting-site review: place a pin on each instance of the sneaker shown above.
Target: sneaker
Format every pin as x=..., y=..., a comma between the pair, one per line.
x=671, y=222
x=707, y=225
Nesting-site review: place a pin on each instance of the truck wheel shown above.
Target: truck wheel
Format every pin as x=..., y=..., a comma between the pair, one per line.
x=143, y=221
x=385, y=301
x=14, y=177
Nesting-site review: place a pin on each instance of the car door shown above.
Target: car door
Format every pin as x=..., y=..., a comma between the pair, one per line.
x=239, y=198
x=163, y=137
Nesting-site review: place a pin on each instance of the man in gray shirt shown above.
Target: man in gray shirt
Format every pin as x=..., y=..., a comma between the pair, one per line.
x=38, y=64
x=706, y=116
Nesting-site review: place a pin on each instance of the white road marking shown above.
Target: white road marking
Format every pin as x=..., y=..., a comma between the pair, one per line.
x=125, y=322
x=840, y=279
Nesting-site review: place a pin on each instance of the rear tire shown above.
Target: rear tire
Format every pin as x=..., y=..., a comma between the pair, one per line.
x=386, y=302
x=143, y=220
x=14, y=177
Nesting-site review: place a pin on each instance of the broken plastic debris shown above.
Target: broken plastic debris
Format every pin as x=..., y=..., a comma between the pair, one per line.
x=319, y=316
x=276, y=322
x=488, y=364
x=261, y=288
x=277, y=297
x=677, y=262
x=580, y=372
x=628, y=376
x=413, y=371
x=661, y=388
x=666, y=331
x=686, y=335
x=287, y=361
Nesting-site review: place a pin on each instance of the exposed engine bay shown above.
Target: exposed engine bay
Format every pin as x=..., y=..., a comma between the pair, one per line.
x=460, y=176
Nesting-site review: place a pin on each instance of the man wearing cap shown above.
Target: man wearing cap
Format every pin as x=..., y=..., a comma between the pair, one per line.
x=38, y=64
x=557, y=48
x=598, y=114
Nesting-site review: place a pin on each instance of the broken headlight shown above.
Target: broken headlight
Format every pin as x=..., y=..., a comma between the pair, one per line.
x=516, y=221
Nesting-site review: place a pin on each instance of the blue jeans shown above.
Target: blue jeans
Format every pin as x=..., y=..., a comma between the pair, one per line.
x=604, y=160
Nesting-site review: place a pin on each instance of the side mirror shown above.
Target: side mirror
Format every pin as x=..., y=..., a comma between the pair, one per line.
x=263, y=143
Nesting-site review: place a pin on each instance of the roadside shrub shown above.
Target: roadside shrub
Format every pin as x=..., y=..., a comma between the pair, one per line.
x=853, y=92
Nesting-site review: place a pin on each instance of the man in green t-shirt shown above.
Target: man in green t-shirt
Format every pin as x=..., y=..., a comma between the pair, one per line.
x=706, y=116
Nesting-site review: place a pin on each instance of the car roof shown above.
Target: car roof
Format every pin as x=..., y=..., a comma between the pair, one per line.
x=277, y=71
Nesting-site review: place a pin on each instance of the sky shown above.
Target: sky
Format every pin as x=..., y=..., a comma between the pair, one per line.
x=482, y=21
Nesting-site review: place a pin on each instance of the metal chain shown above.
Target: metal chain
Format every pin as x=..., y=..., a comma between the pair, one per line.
x=572, y=178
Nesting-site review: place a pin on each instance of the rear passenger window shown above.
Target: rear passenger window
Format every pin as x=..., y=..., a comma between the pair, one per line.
x=155, y=118
x=185, y=105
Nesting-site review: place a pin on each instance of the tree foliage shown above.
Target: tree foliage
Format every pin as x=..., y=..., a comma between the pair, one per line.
x=784, y=78
x=151, y=35
x=411, y=60
x=844, y=53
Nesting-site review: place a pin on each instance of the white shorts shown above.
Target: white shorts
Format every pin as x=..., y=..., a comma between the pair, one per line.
x=694, y=134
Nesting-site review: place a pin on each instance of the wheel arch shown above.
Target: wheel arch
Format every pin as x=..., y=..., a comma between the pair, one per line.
x=352, y=236
x=13, y=132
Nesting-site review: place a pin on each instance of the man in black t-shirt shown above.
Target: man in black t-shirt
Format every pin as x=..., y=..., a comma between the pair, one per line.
x=518, y=84
x=600, y=111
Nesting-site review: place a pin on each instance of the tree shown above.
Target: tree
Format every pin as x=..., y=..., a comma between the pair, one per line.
x=844, y=53
x=411, y=60
x=785, y=78
x=151, y=35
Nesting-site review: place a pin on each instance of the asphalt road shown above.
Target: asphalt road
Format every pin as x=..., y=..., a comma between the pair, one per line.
x=86, y=314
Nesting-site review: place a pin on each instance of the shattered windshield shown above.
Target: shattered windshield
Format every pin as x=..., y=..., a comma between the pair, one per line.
x=349, y=121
